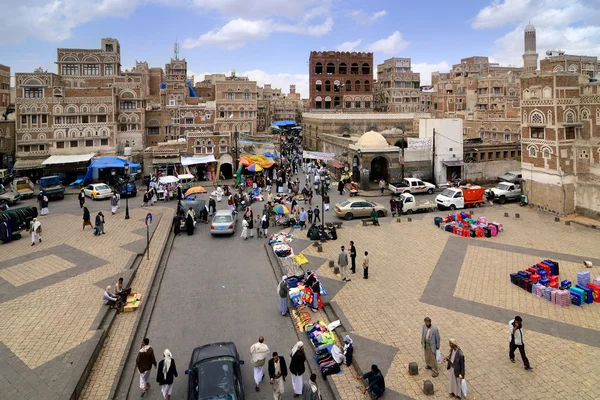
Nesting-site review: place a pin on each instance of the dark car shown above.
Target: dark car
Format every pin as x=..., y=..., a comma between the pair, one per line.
x=214, y=373
x=126, y=187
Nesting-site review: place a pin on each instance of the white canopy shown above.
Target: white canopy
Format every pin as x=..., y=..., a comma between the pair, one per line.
x=168, y=179
x=76, y=158
x=197, y=160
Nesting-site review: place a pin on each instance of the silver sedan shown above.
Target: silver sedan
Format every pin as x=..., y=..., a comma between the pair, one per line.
x=223, y=223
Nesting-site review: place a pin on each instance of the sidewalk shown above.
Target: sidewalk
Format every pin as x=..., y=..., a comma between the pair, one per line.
x=53, y=319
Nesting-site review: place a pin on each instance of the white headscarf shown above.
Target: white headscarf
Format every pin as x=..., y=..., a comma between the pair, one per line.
x=281, y=283
x=347, y=339
x=36, y=224
x=108, y=288
x=168, y=357
x=296, y=347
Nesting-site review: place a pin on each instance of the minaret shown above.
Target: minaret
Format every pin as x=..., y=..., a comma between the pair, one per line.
x=530, y=57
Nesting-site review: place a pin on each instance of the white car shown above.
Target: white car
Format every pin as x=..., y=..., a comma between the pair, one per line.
x=223, y=223
x=411, y=185
x=98, y=191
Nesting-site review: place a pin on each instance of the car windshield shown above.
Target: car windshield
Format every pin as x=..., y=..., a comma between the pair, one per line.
x=215, y=379
x=344, y=203
x=222, y=219
x=448, y=193
x=502, y=186
x=102, y=187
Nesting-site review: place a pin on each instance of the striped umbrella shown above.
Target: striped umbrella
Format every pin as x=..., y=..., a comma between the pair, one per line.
x=281, y=209
x=255, y=168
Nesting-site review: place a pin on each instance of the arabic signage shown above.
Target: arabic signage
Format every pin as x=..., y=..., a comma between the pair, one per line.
x=420, y=144
x=316, y=155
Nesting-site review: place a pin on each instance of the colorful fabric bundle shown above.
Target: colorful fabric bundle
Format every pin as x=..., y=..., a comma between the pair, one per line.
x=301, y=318
x=301, y=259
x=282, y=250
x=583, y=278
x=561, y=298
x=548, y=293
x=538, y=290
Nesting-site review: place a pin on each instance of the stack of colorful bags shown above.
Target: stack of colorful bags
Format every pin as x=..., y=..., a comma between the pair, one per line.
x=463, y=224
x=319, y=335
x=595, y=286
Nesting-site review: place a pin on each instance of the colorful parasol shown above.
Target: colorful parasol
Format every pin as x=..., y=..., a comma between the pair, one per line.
x=281, y=209
x=254, y=168
x=195, y=190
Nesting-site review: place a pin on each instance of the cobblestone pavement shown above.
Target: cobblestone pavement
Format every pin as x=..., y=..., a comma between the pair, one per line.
x=105, y=369
x=50, y=297
x=463, y=284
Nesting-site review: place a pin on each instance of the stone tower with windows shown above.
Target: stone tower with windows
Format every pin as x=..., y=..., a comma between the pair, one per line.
x=530, y=57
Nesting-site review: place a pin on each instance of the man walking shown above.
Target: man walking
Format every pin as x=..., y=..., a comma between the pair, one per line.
x=343, y=264
x=144, y=362
x=353, y=256
x=277, y=373
x=516, y=341
x=317, y=214
x=310, y=391
x=260, y=352
x=366, y=265
x=297, y=367
x=303, y=217
x=430, y=342
x=81, y=197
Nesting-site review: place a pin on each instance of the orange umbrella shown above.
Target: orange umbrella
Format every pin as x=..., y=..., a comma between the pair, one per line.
x=195, y=190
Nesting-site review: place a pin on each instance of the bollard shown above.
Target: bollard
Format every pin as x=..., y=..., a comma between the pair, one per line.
x=517, y=215
x=336, y=270
x=427, y=387
x=319, y=248
x=398, y=219
x=413, y=368
x=506, y=214
x=409, y=219
x=331, y=263
x=556, y=219
x=567, y=222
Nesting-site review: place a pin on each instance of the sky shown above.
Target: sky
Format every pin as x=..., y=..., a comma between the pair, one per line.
x=270, y=40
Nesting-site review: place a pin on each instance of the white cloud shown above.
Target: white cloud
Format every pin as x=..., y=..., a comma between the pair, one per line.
x=364, y=18
x=425, y=69
x=571, y=26
x=391, y=45
x=348, y=46
x=53, y=21
x=260, y=9
x=238, y=32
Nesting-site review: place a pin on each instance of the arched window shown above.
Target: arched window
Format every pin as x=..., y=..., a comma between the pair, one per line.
x=318, y=102
x=366, y=69
x=342, y=69
x=327, y=86
x=327, y=102
x=318, y=68
x=330, y=68
x=570, y=117
x=357, y=86
x=526, y=94
x=559, y=68
x=367, y=86
x=336, y=102
x=26, y=137
x=354, y=69
x=585, y=113
x=547, y=93
x=512, y=92
x=336, y=86
x=318, y=86
x=572, y=68
x=537, y=118
x=533, y=150
x=348, y=85
x=546, y=153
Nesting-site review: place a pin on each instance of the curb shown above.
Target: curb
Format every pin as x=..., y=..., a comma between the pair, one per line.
x=333, y=392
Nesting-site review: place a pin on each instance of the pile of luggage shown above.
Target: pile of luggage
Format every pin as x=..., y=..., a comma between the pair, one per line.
x=463, y=224
x=542, y=280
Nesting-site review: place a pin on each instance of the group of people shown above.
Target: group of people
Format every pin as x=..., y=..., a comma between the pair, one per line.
x=116, y=298
x=166, y=369
x=343, y=262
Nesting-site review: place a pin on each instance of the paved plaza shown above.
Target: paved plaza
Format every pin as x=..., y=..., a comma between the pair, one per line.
x=463, y=284
x=53, y=319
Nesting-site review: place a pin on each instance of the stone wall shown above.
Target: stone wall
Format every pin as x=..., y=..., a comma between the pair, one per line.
x=555, y=199
x=489, y=171
x=587, y=199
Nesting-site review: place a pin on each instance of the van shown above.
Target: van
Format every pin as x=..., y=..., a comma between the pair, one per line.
x=185, y=180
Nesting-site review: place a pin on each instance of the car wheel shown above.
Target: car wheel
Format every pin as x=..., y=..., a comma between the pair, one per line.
x=409, y=212
x=477, y=205
x=430, y=191
x=502, y=200
x=452, y=207
x=380, y=214
x=348, y=216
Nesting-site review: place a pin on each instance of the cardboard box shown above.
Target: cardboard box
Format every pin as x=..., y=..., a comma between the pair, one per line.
x=133, y=302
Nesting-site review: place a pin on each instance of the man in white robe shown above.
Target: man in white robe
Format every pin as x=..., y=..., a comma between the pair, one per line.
x=260, y=351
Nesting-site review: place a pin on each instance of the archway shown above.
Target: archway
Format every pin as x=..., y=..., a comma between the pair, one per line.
x=226, y=163
x=379, y=169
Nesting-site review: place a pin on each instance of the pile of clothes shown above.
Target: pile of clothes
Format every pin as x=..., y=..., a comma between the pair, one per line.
x=326, y=362
x=319, y=335
x=281, y=237
x=301, y=317
x=463, y=224
x=283, y=250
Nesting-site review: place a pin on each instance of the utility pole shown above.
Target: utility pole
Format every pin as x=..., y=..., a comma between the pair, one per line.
x=433, y=160
x=402, y=165
x=236, y=135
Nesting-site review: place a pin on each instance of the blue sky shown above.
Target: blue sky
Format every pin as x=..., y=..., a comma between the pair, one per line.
x=270, y=40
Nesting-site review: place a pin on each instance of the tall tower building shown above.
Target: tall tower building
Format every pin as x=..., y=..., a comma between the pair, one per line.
x=530, y=57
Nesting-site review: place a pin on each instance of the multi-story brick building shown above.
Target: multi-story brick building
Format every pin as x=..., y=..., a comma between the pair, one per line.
x=4, y=88
x=341, y=81
x=398, y=87
x=236, y=102
x=560, y=62
x=561, y=136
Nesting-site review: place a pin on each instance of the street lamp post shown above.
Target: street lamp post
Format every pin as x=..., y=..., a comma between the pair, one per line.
x=324, y=185
x=126, y=169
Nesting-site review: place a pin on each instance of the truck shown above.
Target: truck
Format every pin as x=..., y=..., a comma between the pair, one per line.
x=411, y=185
x=8, y=197
x=23, y=186
x=52, y=187
x=410, y=205
x=506, y=191
x=460, y=197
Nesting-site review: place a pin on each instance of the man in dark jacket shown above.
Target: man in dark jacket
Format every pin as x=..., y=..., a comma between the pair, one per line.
x=277, y=373
x=144, y=362
x=353, y=256
x=376, y=383
x=167, y=371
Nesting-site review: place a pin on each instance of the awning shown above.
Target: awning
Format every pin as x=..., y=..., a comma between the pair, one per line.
x=76, y=158
x=458, y=163
x=29, y=164
x=165, y=160
x=336, y=164
x=197, y=160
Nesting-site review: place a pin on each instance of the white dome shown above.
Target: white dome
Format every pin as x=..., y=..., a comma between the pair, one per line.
x=529, y=28
x=371, y=140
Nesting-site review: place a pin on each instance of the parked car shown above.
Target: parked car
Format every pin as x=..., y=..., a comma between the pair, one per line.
x=223, y=223
x=23, y=186
x=52, y=187
x=214, y=373
x=357, y=207
x=411, y=185
x=411, y=205
x=511, y=176
x=97, y=191
x=125, y=187
x=5, y=176
x=506, y=191
x=8, y=196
